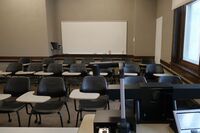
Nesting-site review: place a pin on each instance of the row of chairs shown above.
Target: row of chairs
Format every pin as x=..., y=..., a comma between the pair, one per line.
x=55, y=87
x=58, y=69
x=49, y=86
x=72, y=60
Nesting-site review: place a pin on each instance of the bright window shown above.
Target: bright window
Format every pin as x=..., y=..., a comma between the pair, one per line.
x=191, y=50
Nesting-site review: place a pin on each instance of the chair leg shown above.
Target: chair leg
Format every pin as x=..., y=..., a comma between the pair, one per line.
x=40, y=120
x=60, y=118
x=77, y=117
x=108, y=105
x=29, y=121
x=9, y=118
x=18, y=119
x=68, y=113
x=36, y=118
x=81, y=116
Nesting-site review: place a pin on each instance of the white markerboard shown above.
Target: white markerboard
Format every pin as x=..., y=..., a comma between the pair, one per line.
x=81, y=37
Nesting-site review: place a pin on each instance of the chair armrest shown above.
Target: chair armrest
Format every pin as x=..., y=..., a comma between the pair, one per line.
x=24, y=73
x=5, y=73
x=26, y=64
x=71, y=73
x=29, y=97
x=101, y=73
x=130, y=74
x=77, y=95
x=161, y=74
x=41, y=73
x=4, y=96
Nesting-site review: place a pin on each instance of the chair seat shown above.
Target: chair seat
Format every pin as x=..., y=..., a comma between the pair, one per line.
x=93, y=105
x=10, y=106
x=47, y=107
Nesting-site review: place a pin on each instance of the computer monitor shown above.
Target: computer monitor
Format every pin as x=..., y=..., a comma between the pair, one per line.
x=187, y=121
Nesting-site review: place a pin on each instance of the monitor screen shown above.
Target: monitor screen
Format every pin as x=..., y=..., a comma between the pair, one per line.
x=187, y=120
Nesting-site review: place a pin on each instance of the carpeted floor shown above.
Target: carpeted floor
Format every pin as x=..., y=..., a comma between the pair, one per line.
x=51, y=120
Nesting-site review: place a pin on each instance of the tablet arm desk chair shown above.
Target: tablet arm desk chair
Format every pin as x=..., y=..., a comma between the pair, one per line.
x=35, y=67
x=144, y=63
x=77, y=68
x=131, y=80
x=46, y=62
x=25, y=61
x=67, y=62
x=56, y=68
x=131, y=69
x=13, y=68
x=153, y=69
x=55, y=88
x=92, y=84
x=15, y=86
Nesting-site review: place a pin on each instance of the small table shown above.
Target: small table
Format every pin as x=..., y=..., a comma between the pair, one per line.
x=29, y=97
x=4, y=96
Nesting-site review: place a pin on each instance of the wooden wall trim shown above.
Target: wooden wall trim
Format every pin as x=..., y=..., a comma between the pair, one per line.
x=16, y=58
x=77, y=56
x=187, y=75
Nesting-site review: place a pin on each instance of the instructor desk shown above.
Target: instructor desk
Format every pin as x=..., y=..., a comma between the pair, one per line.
x=171, y=92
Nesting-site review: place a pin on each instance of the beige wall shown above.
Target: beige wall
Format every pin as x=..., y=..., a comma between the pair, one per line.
x=51, y=22
x=140, y=14
x=28, y=26
x=145, y=25
x=97, y=10
x=164, y=8
x=23, y=28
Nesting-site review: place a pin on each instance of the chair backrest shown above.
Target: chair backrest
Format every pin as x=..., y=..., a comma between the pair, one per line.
x=17, y=86
x=69, y=60
x=147, y=61
x=25, y=60
x=48, y=61
x=131, y=68
x=56, y=68
x=134, y=80
x=52, y=86
x=35, y=67
x=128, y=60
x=14, y=67
x=94, y=84
x=77, y=68
x=106, y=59
x=154, y=68
x=170, y=79
x=87, y=60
